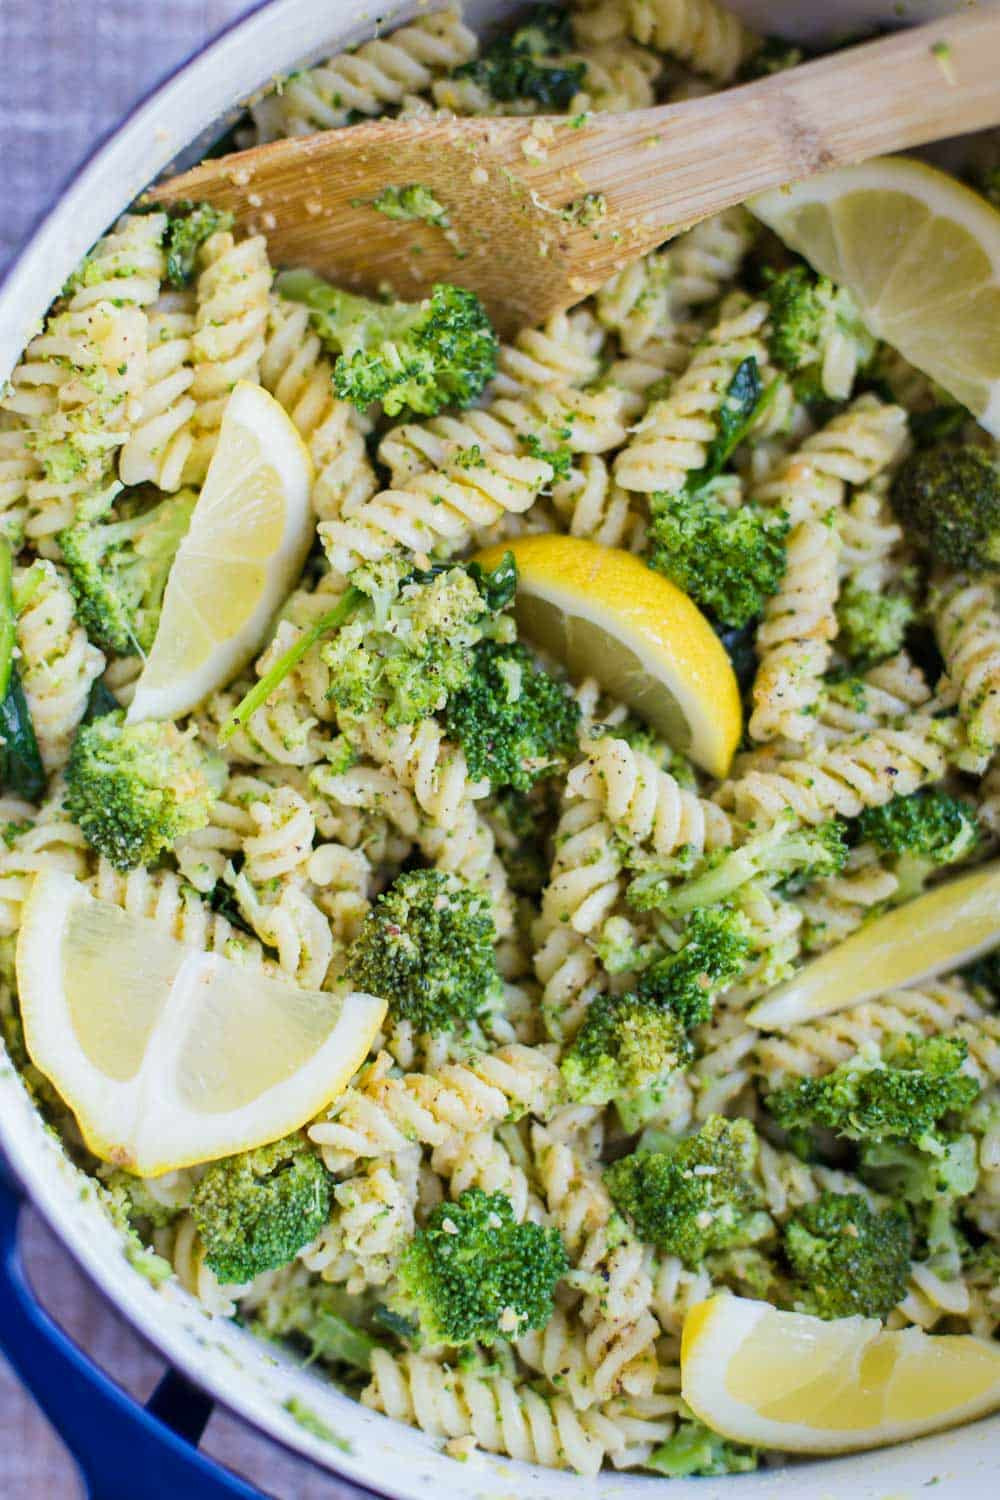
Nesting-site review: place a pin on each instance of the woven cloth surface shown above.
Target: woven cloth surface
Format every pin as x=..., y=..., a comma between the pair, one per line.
x=72, y=68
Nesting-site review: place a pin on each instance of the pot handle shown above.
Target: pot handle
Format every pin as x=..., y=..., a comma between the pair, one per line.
x=119, y=1446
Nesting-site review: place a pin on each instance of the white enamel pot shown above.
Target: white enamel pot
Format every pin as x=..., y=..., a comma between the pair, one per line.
x=380, y=1456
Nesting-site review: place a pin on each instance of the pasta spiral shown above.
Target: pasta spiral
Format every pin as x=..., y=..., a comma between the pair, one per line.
x=126, y=266
x=501, y=1416
x=295, y=371
x=58, y=664
x=861, y=771
x=644, y=804
x=77, y=391
x=383, y=1114
x=816, y=1047
x=967, y=625
x=794, y=638
x=435, y=512
x=233, y=301
x=552, y=417
x=379, y=74
x=673, y=437
x=373, y=1220
x=159, y=445
x=700, y=33
x=854, y=446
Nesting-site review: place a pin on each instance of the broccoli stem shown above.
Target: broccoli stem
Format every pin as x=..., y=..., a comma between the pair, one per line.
x=261, y=691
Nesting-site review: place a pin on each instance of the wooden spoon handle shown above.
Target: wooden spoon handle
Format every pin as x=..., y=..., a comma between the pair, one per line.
x=681, y=162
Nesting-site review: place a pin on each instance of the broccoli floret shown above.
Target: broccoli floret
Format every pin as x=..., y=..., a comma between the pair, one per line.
x=848, y=1258
x=693, y=1448
x=901, y=1095
x=625, y=1044
x=695, y=1198
x=872, y=625
x=807, y=312
x=135, y=788
x=426, y=947
x=131, y=1201
x=923, y=832
x=729, y=561
x=930, y=1178
x=714, y=951
x=473, y=1274
x=255, y=1211
x=185, y=236
x=421, y=355
x=119, y=569
x=948, y=499
x=629, y=1042
x=786, y=853
x=514, y=722
x=408, y=645
x=403, y=641
x=522, y=66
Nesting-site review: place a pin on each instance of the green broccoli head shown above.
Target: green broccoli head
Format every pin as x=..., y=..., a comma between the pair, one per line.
x=900, y=1095
x=806, y=313
x=515, y=723
x=948, y=499
x=118, y=571
x=930, y=1178
x=525, y=63
x=922, y=832
x=255, y=1211
x=190, y=226
x=694, y=1449
x=427, y=947
x=786, y=854
x=407, y=647
x=729, y=561
x=474, y=1275
x=696, y=1198
x=848, y=1258
x=625, y=1044
x=714, y=950
x=872, y=625
x=134, y=789
x=416, y=355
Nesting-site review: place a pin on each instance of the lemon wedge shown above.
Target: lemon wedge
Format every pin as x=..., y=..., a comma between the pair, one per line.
x=940, y=930
x=243, y=551
x=604, y=614
x=169, y=1056
x=785, y=1380
x=921, y=255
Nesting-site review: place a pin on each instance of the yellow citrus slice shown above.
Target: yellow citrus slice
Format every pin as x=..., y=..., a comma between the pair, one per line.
x=166, y=1055
x=921, y=254
x=243, y=551
x=785, y=1380
x=604, y=614
x=940, y=930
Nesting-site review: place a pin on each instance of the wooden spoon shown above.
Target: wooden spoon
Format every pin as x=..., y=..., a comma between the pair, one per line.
x=543, y=209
